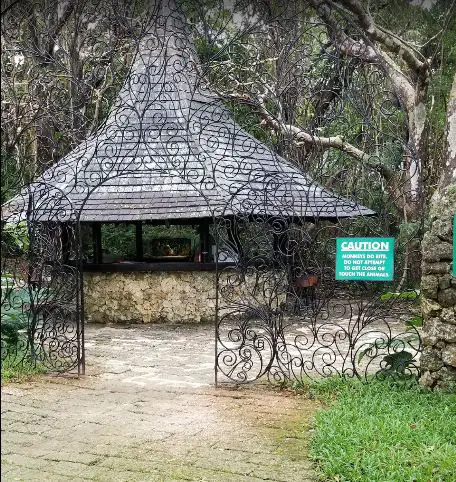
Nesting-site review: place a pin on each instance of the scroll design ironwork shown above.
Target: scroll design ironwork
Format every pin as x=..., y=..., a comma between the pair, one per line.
x=288, y=322
x=237, y=129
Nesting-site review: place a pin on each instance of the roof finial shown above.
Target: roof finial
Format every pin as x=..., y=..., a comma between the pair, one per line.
x=165, y=62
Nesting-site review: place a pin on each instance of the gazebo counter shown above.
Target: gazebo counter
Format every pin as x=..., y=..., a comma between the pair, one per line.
x=149, y=293
x=170, y=292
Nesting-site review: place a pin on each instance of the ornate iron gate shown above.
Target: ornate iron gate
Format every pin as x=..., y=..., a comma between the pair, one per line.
x=194, y=127
x=41, y=284
x=283, y=317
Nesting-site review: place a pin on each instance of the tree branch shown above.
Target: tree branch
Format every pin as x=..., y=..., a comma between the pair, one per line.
x=303, y=138
x=58, y=26
x=362, y=50
x=379, y=34
x=100, y=97
x=8, y=6
x=344, y=43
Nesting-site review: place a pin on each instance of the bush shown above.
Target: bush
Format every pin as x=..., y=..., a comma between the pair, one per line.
x=13, y=319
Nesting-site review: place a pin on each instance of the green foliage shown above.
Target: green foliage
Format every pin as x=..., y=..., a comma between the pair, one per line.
x=13, y=318
x=245, y=116
x=397, y=359
x=11, y=177
x=416, y=321
x=397, y=363
x=12, y=322
x=12, y=371
x=171, y=231
x=404, y=295
x=393, y=362
x=444, y=50
x=17, y=362
x=383, y=431
x=325, y=389
x=119, y=241
x=15, y=238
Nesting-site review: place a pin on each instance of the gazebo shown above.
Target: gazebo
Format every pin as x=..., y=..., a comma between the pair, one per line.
x=169, y=152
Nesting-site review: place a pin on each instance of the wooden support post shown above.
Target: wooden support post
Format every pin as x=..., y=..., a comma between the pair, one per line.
x=97, y=246
x=204, y=241
x=139, y=241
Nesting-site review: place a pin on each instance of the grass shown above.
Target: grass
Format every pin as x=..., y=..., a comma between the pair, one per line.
x=383, y=431
x=12, y=371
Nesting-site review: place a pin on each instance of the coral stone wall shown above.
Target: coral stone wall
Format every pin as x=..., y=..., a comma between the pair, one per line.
x=149, y=297
x=438, y=294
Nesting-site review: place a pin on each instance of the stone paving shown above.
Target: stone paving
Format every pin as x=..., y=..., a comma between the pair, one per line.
x=147, y=410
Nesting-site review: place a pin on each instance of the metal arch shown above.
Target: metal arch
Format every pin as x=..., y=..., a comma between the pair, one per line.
x=170, y=146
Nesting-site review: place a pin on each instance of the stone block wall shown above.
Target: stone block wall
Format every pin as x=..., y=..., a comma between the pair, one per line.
x=177, y=296
x=438, y=295
x=149, y=297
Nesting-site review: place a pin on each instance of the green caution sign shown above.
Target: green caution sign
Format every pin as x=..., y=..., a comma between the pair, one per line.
x=367, y=259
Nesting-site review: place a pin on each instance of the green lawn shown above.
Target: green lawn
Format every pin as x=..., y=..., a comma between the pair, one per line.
x=15, y=370
x=381, y=431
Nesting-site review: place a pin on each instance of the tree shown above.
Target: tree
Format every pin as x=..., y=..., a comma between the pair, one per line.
x=62, y=64
x=359, y=42
x=362, y=105
x=355, y=104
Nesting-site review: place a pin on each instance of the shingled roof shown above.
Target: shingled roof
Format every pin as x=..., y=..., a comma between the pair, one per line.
x=170, y=149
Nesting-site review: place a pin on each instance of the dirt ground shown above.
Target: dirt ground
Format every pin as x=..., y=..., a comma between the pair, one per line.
x=147, y=410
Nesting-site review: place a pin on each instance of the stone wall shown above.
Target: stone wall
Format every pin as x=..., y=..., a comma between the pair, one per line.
x=178, y=296
x=149, y=297
x=438, y=294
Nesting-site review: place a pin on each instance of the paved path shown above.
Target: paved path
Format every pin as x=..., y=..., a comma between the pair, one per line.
x=147, y=411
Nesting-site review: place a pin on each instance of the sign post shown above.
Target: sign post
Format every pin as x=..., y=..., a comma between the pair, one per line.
x=366, y=259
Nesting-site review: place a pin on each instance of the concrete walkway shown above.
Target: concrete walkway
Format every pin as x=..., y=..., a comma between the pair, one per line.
x=147, y=411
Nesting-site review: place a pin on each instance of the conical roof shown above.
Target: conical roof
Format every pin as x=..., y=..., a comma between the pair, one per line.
x=170, y=149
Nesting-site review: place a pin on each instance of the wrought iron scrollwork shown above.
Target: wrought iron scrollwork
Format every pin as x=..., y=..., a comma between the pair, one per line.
x=249, y=139
x=287, y=319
